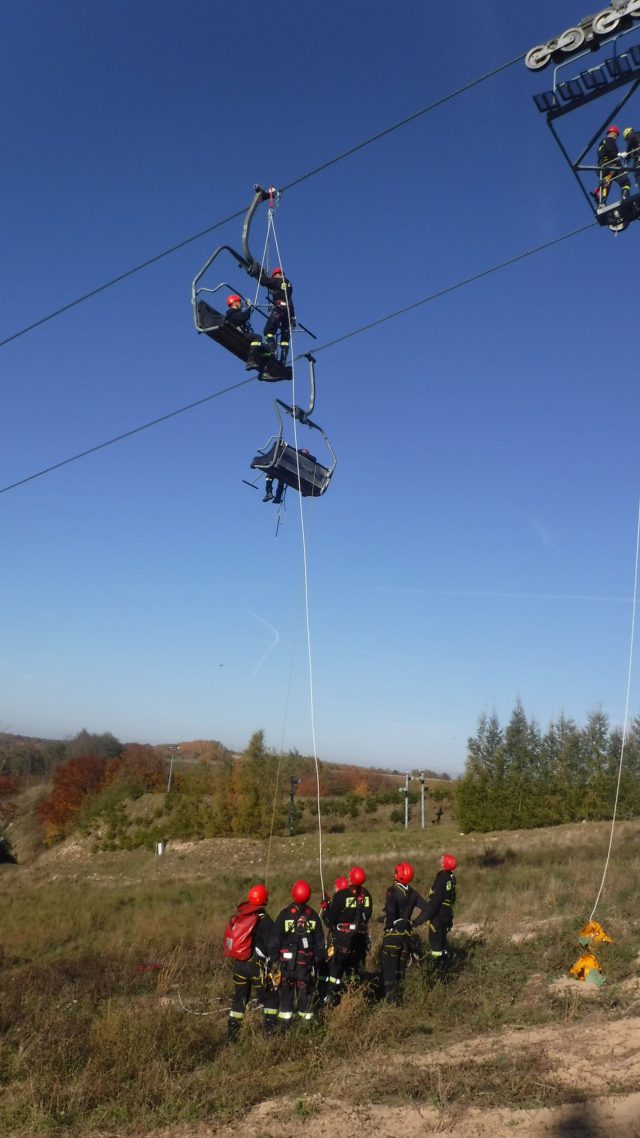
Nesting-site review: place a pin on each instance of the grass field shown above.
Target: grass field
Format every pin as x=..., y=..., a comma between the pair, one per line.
x=113, y=989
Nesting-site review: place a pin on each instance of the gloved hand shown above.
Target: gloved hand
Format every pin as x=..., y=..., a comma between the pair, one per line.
x=253, y=269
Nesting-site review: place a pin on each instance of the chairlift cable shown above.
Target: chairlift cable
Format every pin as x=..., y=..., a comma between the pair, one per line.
x=126, y=434
x=454, y=287
x=320, y=348
x=240, y=213
x=626, y=717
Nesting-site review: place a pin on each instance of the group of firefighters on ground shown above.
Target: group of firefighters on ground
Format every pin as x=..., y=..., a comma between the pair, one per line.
x=293, y=970
x=279, y=319
x=611, y=163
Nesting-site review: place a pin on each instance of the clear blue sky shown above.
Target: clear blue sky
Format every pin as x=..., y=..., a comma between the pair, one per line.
x=477, y=543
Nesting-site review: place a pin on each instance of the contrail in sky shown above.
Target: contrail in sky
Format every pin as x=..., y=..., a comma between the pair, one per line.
x=274, y=644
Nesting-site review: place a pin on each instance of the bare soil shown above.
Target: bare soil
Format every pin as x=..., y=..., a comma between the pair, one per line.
x=598, y=1063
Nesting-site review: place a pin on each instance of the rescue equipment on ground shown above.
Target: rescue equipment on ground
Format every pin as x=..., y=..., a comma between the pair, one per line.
x=587, y=967
x=594, y=933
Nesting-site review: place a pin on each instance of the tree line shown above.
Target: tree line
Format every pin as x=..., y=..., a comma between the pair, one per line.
x=519, y=777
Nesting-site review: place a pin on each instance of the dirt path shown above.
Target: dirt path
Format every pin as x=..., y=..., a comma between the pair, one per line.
x=598, y=1064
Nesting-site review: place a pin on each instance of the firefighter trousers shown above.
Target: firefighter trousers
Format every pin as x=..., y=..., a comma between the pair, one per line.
x=248, y=975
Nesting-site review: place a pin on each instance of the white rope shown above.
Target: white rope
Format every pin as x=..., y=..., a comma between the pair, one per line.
x=306, y=574
x=626, y=716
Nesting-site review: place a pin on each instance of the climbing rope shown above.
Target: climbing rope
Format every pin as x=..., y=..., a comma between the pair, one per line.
x=306, y=572
x=626, y=718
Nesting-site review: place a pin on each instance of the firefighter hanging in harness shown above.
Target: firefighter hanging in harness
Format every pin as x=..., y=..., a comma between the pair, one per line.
x=281, y=312
x=397, y=940
x=348, y=918
x=300, y=943
x=442, y=897
x=611, y=168
x=249, y=941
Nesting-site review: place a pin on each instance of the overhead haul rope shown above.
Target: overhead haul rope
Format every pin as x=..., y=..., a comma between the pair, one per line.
x=320, y=348
x=626, y=717
x=126, y=435
x=240, y=213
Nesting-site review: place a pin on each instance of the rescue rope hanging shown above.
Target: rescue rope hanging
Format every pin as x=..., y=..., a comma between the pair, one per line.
x=626, y=718
x=306, y=570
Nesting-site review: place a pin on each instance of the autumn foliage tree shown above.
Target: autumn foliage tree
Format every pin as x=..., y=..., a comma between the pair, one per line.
x=73, y=782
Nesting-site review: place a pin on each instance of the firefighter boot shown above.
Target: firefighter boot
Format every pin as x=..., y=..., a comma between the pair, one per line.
x=233, y=1029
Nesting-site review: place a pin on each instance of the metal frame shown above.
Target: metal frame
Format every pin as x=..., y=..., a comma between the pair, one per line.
x=244, y=259
x=618, y=215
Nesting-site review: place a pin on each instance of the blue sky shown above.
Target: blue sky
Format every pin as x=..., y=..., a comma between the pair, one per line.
x=477, y=544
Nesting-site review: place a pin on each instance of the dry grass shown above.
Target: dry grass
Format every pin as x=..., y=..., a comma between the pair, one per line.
x=94, y=1037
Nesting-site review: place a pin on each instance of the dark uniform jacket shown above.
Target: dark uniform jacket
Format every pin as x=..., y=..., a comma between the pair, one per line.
x=608, y=153
x=442, y=896
x=350, y=910
x=264, y=937
x=632, y=142
x=280, y=290
x=399, y=904
x=299, y=937
x=238, y=318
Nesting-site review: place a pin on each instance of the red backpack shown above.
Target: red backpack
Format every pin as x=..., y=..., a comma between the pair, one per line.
x=238, y=935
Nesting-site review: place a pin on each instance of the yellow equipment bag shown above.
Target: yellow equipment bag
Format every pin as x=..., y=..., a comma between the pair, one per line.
x=587, y=968
x=594, y=933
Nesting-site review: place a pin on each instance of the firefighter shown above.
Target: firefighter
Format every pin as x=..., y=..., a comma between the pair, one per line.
x=397, y=938
x=440, y=902
x=238, y=315
x=268, y=490
x=348, y=918
x=256, y=971
x=323, y=970
x=300, y=944
x=611, y=167
x=632, y=142
x=281, y=311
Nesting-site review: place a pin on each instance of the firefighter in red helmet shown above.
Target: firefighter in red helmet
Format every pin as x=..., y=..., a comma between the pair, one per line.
x=397, y=938
x=611, y=167
x=300, y=943
x=238, y=314
x=348, y=917
x=250, y=943
x=440, y=902
x=281, y=313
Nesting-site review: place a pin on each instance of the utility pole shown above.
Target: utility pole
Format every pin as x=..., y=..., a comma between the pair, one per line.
x=173, y=750
x=405, y=790
x=422, y=793
x=292, y=809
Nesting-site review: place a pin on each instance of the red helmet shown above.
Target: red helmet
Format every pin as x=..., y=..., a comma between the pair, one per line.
x=233, y=299
x=404, y=872
x=258, y=895
x=278, y=272
x=449, y=862
x=357, y=876
x=340, y=883
x=300, y=892
x=613, y=130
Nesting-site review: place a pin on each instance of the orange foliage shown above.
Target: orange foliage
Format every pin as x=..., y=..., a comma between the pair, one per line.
x=338, y=781
x=72, y=783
